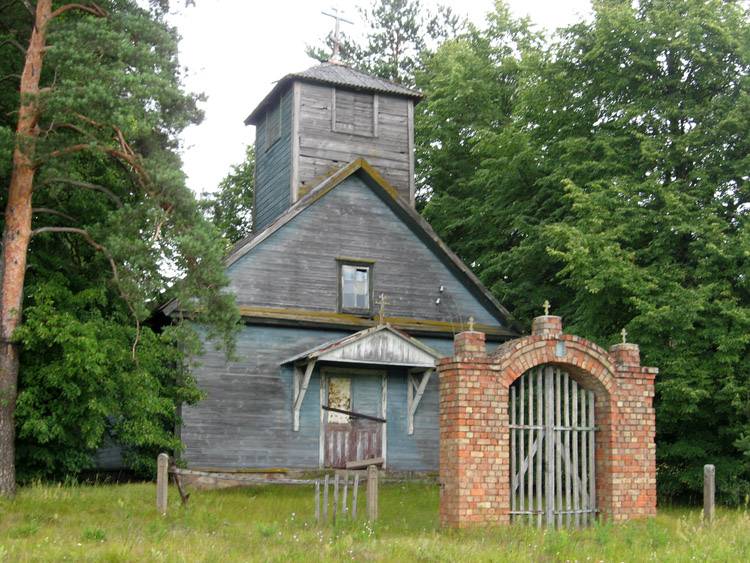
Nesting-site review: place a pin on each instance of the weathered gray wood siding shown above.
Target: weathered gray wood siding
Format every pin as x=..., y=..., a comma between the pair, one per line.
x=321, y=149
x=296, y=266
x=273, y=167
x=419, y=451
x=245, y=421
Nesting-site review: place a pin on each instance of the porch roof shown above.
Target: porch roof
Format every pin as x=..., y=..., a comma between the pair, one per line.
x=379, y=345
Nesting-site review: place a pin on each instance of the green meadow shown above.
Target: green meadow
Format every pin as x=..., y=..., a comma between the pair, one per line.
x=120, y=523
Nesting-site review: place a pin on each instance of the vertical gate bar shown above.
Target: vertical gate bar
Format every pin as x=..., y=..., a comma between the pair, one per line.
x=335, y=496
x=355, y=494
x=592, y=464
x=549, y=407
x=513, y=449
x=530, y=465
x=558, y=449
x=522, y=453
x=576, y=473
x=539, y=444
x=317, y=501
x=584, y=462
x=344, y=503
x=566, y=414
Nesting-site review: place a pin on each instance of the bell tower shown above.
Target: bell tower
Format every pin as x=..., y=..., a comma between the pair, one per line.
x=316, y=121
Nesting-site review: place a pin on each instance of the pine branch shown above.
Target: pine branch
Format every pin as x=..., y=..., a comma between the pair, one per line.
x=16, y=44
x=49, y=211
x=86, y=186
x=92, y=9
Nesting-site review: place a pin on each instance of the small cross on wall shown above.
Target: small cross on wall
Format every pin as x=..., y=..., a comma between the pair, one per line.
x=471, y=324
x=381, y=303
x=546, y=307
x=624, y=334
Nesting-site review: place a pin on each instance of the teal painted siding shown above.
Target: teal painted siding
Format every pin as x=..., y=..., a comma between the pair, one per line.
x=367, y=393
x=273, y=169
x=246, y=418
x=245, y=421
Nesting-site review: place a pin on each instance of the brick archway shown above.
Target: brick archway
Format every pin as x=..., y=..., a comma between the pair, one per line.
x=474, y=418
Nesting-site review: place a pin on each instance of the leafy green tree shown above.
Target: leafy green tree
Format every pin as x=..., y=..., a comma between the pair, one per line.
x=112, y=229
x=611, y=178
x=230, y=208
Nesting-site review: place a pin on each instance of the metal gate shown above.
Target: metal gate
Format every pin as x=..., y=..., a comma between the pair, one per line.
x=553, y=477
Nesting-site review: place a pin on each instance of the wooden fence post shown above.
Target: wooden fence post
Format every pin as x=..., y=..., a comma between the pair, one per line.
x=709, y=493
x=372, y=493
x=162, y=480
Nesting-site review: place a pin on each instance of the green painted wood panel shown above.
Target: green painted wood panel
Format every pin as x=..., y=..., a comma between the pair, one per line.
x=273, y=168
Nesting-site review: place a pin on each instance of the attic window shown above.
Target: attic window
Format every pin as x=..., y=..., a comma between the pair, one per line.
x=355, y=287
x=355, y=113
x=273, y=124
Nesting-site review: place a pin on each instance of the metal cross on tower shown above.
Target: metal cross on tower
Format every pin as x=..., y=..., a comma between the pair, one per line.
x=546, y=307
x=336, y=15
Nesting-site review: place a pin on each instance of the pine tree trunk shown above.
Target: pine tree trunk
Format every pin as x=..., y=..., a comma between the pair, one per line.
x=16, y=237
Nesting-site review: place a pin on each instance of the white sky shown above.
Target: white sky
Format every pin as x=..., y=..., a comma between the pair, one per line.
x=235, y=49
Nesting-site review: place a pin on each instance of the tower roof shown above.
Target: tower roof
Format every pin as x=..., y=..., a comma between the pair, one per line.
x=335, y=74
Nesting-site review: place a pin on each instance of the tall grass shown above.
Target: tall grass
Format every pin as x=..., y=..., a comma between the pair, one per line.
x=120, y=523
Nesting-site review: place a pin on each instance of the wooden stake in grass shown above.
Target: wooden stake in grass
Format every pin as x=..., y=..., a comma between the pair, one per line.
x=372, y=493
x=162, y=479
x=709, y=493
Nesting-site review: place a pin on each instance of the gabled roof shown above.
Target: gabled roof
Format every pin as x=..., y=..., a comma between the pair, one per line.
x=335, y=74
x=409, y=215
x=379, y=345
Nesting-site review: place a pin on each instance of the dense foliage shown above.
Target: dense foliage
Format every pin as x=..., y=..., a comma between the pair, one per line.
x=606, y=171
x=230, y=207
x=93, y=365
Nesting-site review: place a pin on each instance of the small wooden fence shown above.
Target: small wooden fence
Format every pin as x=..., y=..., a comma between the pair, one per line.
x=336, y=495
x=344, y=504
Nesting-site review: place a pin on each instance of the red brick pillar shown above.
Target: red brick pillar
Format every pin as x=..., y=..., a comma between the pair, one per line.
x=548, y=326
x=633, y=463
x=474, y=453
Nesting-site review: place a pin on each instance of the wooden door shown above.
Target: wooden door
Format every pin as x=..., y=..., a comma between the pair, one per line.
x=352, y=421
x=552, y=429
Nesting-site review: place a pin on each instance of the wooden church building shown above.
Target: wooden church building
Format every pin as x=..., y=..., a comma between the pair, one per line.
x=348, y=297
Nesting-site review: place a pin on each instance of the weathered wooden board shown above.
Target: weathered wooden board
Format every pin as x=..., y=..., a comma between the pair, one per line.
x=273, y=168
x=353, y=221
x=386, y=145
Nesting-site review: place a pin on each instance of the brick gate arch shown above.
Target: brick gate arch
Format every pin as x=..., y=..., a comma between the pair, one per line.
x=474, y=419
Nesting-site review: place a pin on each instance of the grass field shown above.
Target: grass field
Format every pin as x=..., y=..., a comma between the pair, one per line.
x=119, y=523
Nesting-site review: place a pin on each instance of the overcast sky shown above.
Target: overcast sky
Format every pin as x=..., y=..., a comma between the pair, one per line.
x=235, y=49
